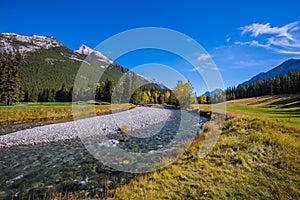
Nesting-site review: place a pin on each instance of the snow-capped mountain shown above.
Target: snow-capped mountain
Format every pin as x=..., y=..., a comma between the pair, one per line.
x=48, y=62
x=16, y=43
x=212, y=93
x=85, y=50
x=88, y=51
x=13, y=43
x=282, y=69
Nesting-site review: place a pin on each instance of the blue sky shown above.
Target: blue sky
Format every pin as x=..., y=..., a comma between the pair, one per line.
x=243, y=37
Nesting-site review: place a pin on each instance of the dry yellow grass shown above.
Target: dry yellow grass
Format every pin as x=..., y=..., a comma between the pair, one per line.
x=53, y=112
x=254, y=159
x=257, y=157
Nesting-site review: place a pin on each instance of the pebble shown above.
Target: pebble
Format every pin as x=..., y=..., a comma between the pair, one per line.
x=100, y=125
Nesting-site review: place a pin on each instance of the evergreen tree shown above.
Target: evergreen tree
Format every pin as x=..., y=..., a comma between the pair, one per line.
x=134, y=83
x=127, y=89
x=277, y=85
x=108, y=90
x=10, y=80
x=281, y=84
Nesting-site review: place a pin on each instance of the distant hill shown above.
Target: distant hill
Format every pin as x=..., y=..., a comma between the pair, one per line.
x=212, y=93
x=48, y=63
x=281, y=80
x=282, y=69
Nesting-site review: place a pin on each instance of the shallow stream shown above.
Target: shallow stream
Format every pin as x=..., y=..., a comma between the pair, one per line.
x=39, y=170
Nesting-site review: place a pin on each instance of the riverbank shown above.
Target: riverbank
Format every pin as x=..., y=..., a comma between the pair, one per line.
x=253, y=159
x=256, y=157
x=136, y=118
x=43, y=171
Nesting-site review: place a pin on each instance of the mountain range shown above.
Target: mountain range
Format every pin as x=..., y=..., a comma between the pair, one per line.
x=212, y=93
x=48, y=63
x=282, y=69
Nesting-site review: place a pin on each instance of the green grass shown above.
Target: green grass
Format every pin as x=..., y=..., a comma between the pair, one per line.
x=256, y=157
x=280, y=108
x=253, y=159
x=37, y=112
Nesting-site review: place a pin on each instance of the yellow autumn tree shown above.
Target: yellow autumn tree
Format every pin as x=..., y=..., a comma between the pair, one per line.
x=184, y=93
x=167, y=96
x=146, y=98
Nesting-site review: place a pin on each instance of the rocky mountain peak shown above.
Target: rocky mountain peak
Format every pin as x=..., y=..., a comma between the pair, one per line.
x=15, y=43
x=85, y=50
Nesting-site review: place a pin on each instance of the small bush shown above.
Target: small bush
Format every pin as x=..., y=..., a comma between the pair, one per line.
x=124, y=129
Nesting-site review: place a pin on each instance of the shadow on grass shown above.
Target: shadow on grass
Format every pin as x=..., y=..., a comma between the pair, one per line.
x=281, y=101
x=286, y=113
x=261, y=100
x=289, y=100
x=292, y=105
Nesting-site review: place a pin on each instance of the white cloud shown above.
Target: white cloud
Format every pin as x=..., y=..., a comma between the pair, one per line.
x=203, y=68
x=203, y=56
x=210, y=64
x=200, y=69
x=228, y=39
x=260, y=29
x=288, y=52
x=254, y=43
x=284, y=40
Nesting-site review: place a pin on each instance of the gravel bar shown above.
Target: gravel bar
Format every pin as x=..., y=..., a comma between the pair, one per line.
x=136, y=118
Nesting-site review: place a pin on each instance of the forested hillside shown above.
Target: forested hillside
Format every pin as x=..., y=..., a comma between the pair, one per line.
x=281, y=84
x=48, y=70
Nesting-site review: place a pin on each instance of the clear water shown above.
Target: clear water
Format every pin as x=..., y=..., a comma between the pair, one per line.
x=35, y=171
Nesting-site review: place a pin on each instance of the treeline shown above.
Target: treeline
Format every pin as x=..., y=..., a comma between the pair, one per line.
x=216, y=98
x=182, y=95
x=106, y=91
x=127, y=89
x=64, y=94
x=281, y=84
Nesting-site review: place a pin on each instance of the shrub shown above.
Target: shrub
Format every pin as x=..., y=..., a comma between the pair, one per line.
x=124, y=129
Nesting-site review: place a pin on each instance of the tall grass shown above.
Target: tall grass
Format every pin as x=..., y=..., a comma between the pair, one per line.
x=254, y=159
x=53, y=112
